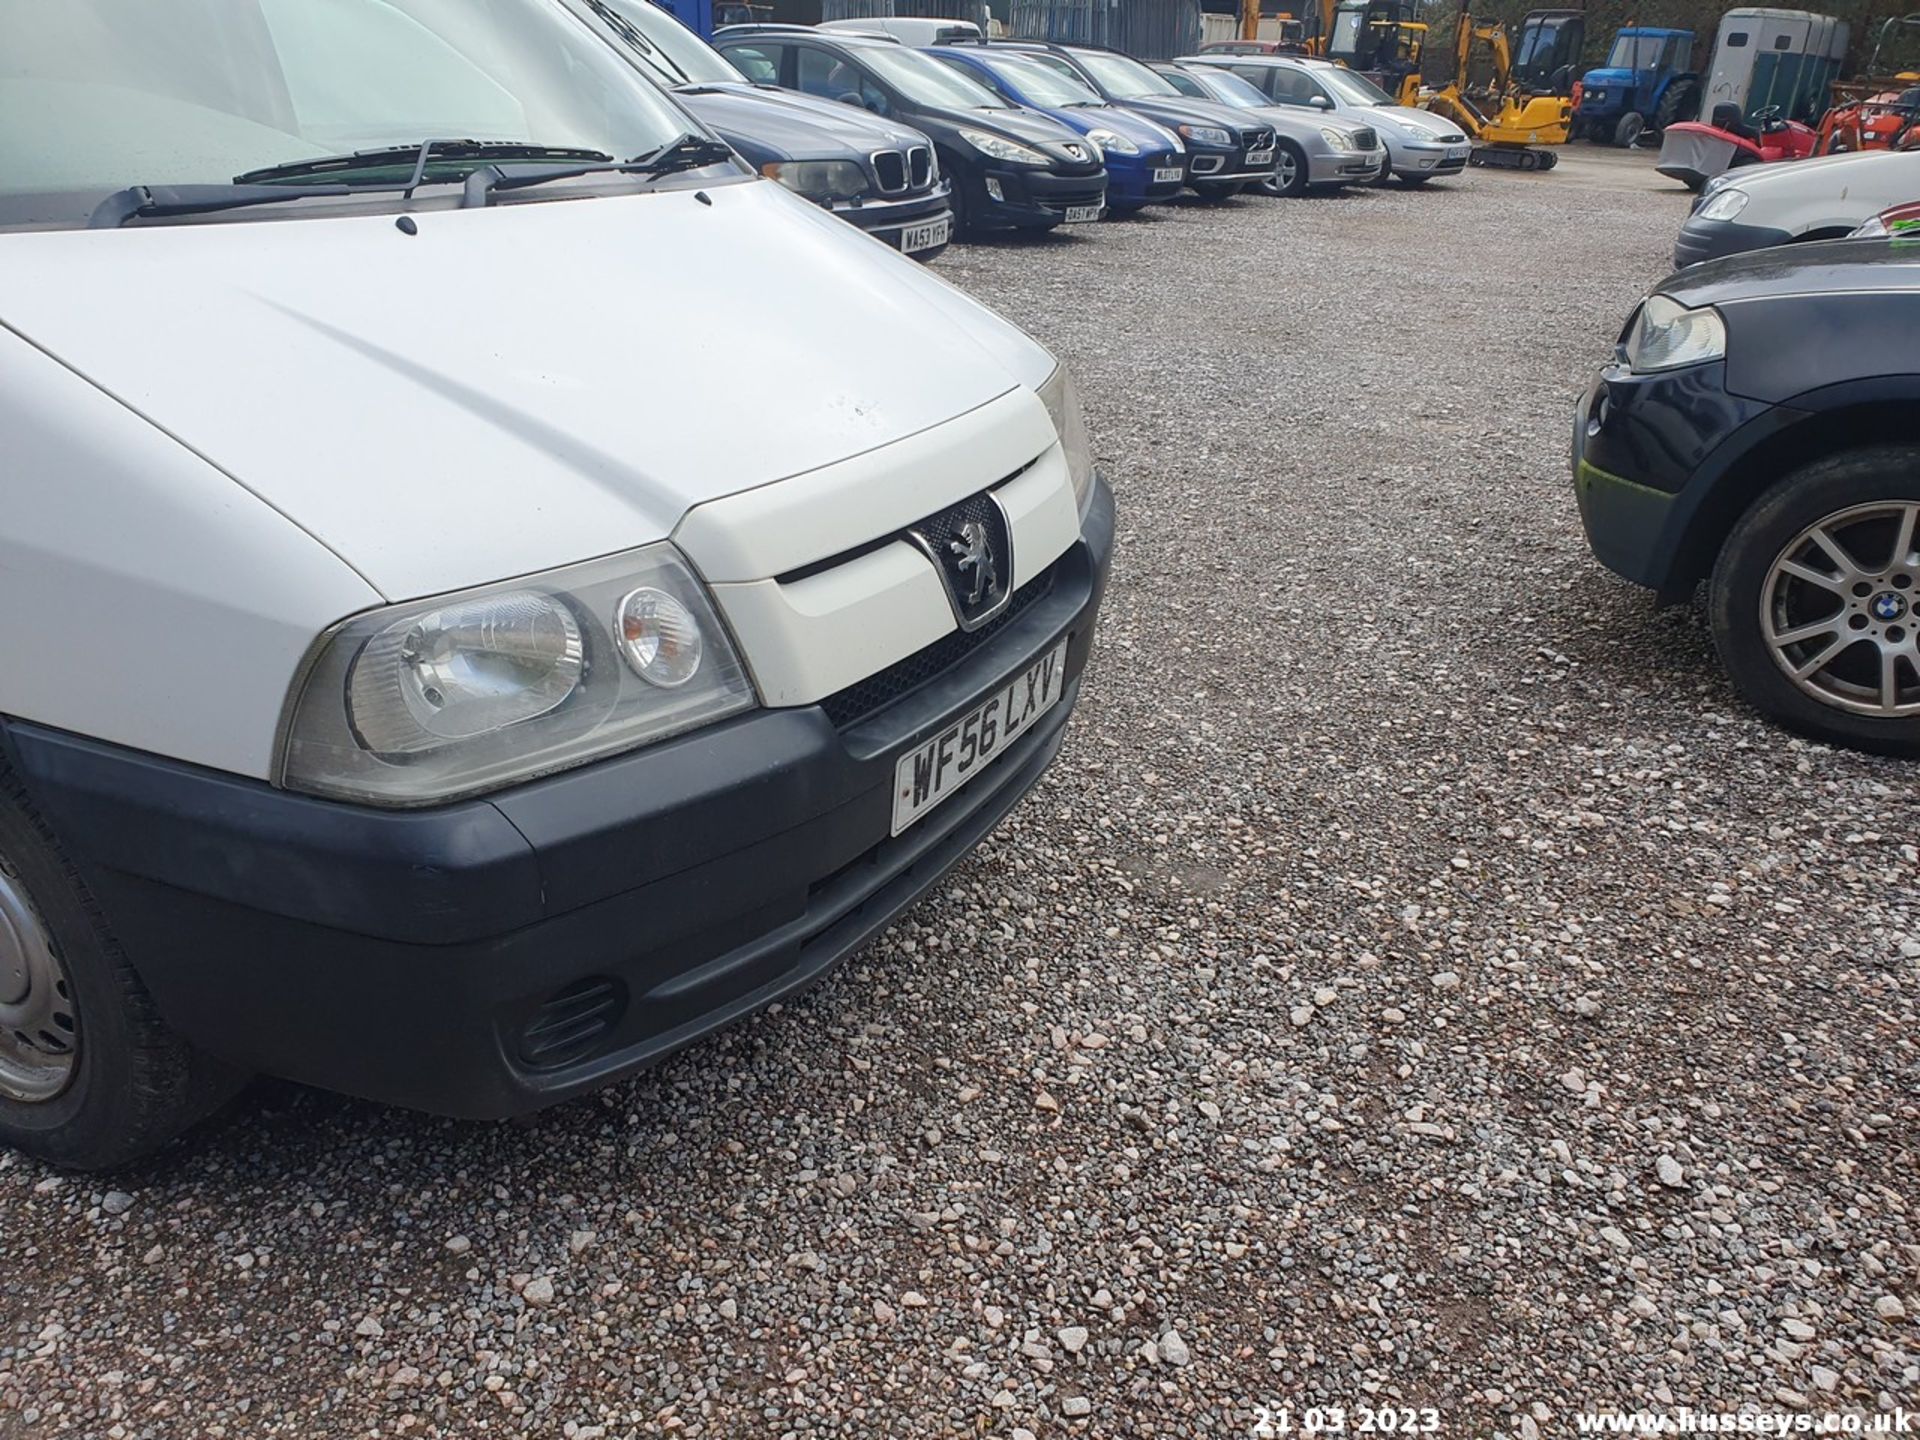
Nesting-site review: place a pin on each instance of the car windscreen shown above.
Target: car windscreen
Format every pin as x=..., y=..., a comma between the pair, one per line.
x=100, y=95
x=1635, y=52
x=1042, y=84
x=1232, y=90
x=925, y=81
x=1123, y=76
x=664, y=45
x=1354, y=89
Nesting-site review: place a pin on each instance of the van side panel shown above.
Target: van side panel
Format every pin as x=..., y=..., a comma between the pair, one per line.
x=145, y=599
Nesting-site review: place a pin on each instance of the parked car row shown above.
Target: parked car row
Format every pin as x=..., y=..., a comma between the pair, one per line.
x=1021, y=134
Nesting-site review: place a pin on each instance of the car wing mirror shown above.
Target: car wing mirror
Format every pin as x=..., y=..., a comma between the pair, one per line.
x=851, y=97
x=1321, y=102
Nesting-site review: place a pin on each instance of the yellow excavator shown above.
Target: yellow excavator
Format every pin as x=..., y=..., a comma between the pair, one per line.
x=1524, y=102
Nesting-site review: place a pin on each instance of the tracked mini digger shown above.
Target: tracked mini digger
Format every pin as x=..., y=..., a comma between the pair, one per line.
x=1519, y=99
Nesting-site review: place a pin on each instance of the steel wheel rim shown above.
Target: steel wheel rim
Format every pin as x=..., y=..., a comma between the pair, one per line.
x=1837, y=610
x=39, y=1038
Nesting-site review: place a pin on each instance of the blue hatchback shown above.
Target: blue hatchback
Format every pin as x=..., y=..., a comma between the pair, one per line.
x=1146, y=163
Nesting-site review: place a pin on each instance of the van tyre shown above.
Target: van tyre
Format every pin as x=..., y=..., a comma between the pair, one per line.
x=1813, y=600
x=90, y=1077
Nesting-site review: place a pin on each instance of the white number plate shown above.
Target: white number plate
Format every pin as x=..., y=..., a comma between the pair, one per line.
x=1077, y=214
x=1259, y=157
x=925, y=237
x=1168, y=172
x=925, y=777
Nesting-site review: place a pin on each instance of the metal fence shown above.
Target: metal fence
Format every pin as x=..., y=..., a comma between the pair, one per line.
x=1150, y=29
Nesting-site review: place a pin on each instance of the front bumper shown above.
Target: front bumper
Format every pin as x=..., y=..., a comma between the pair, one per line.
x=1344, y=167
x=1648, y=451
x=890, y=220
x=1030, y=199
x=1210, y=167
x=1710, y=239
x=494, y=956
x=1130, y=181
x=1411, y=158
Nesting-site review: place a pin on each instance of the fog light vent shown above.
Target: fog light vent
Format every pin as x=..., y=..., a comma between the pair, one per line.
x=571, y=1025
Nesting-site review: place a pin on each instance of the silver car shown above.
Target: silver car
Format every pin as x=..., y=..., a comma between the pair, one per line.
x=1313, y=151
x=1421, y=145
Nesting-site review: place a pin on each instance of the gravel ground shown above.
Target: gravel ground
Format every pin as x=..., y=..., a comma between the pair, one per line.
x=1420, y=980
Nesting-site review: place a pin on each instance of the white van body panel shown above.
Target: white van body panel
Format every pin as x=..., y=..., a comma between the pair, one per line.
x=145, y=599
x=519, y=387
x=808, y=637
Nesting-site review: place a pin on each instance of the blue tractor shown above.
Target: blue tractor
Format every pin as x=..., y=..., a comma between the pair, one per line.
x=1648, y=83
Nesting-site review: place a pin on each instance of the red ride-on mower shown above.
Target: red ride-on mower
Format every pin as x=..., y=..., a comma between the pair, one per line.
x=1694, y=152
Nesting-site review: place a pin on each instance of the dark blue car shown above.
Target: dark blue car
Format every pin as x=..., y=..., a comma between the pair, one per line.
x=1146, y=163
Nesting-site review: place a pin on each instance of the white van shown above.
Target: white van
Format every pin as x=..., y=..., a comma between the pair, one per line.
x=458, y=642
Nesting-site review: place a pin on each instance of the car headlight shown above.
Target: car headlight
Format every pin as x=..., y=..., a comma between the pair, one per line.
x=1723, y=204
x=1112, y=140
x=1205, y=135
x=1666, y=335
x=1336, y=139
x=997, y=147
x=1874, y=229
x=1070, y=424
x=437, y=699
x=822, y=180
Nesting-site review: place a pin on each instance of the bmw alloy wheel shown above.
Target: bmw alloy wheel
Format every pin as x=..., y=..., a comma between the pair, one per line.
x=1837, y=610
x=38, y=1035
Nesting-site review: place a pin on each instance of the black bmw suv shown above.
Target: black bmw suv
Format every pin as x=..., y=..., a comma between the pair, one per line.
x=1757, y=430
x=1227, y=151
x=1010, y=168
x=874, y=173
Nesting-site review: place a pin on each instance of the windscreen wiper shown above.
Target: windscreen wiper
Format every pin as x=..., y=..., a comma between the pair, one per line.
x=630, y=33
x=153, y=201
x=420, y=155
x=689, y=152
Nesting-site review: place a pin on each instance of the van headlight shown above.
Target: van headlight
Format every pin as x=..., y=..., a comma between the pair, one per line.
x=438, y=699
x=1070, y=424
x=1723, y=204
x=1666, y=335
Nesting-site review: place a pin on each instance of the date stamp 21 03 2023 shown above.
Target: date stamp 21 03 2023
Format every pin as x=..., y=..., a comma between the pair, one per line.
x=1270, y=1422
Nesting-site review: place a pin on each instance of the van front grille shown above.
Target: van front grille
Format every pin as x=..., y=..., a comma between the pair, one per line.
x=903, y=677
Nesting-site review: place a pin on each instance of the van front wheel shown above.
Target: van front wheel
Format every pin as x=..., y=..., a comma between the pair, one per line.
x=90, y=1076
